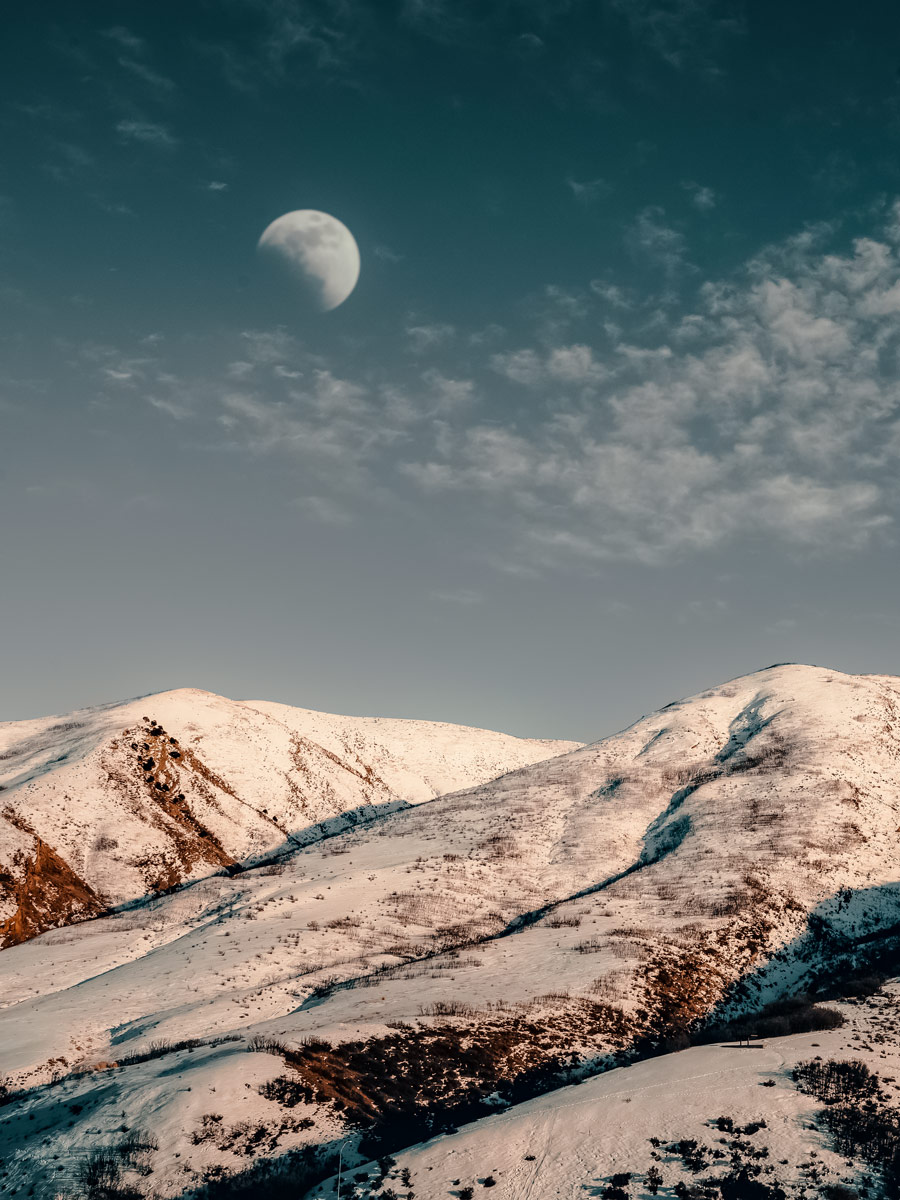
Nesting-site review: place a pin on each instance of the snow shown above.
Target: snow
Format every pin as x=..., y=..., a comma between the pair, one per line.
x=568, y=1143
x=705, y=835
x=261, y=778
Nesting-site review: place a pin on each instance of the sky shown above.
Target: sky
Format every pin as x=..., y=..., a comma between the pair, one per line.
x=611, y=416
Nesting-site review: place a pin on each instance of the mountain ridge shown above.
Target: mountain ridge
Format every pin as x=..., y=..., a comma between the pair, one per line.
x=454, y=958
x=128, y=807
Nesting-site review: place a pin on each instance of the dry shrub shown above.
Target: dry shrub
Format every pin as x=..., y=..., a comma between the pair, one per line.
x=591, y=945
x=447, y=1008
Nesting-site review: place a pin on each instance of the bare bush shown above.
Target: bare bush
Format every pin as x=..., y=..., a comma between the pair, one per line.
x=262, y=1044
x=591, y=945
x=447, y=1008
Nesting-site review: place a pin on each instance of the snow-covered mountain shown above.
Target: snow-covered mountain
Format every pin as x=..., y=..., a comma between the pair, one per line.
x=446, y=960
x=113, y=803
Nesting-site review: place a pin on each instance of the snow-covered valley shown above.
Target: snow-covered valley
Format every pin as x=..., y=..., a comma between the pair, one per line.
x=526, y=948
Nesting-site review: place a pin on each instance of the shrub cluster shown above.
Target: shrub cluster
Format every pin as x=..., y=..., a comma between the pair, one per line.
x=860, y=1125
x=793, y=1014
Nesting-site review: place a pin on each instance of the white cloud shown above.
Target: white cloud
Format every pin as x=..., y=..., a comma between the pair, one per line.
x=148, y=133
x=704, y=199
x=684, y=33
x=424, y=337
x=769, y=411
x=573, y=364
x=449, y=395
x=521, y=366
x=268, y=347
x=588, y=191
x=614, y=295
x=155, y=79
x=171, y=407
x=126, y=39
x=239, y=369
x=651, y=238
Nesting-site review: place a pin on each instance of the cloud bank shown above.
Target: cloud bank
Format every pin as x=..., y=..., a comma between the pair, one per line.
x=765, y=409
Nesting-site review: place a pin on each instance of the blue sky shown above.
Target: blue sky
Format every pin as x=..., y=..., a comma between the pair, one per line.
x=611, y=415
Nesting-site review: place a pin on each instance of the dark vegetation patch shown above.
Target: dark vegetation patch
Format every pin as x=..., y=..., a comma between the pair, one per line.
x=681, y=986
x=793, y=1014
x=684, y=986
x=103, y=1173
x=730, y=1167
x=862, y=972
x=247, y=1138
x=288, y=1177
x=861, y=1125
x=409, y=1085
x=45, y=890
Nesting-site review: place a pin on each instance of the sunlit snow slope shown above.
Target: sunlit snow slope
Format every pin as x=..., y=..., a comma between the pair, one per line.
x=570, y=1143
x=114, y=803
x=467, y=953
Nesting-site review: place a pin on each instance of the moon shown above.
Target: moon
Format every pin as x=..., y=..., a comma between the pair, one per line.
x=319, y=248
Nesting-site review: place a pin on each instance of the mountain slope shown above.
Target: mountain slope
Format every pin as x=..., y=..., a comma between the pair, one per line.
x=570, y=1143
x=112, y=803
x=484, y=947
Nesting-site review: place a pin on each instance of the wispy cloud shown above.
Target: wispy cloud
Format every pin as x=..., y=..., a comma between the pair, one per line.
x=428, y=335
x=326, y=32
x=324, y=509
x=653, y=239
x=328, y=35
x=588, y=191
x=778, y=422
x=440, y=19
x=704, y=199
x=124, y=37
x=148, y=133
x=67, y=161
x=767, y=409
x=562, y=365
x=155, y=79
x=684, y=33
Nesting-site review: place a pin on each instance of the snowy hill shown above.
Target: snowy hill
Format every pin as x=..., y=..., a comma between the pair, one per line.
x=109, y=804
x=464, y=955
x=571, y=1142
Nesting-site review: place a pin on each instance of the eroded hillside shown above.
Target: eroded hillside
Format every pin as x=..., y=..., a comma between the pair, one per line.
x=491, y=945
x=113, y=804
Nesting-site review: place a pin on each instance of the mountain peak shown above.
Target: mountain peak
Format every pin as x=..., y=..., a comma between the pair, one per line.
x=173, y=785
x=557, y=920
